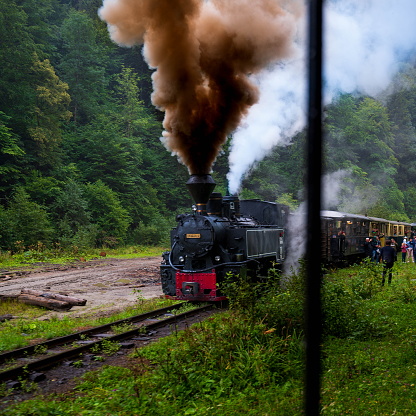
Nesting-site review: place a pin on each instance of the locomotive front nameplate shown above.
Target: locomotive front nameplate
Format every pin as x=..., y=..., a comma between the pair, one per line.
x=193, y=235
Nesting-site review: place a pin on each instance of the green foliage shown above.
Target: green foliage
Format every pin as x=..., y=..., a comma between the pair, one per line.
x=340, y=310
x=50, y=111
x=106, y=347
x=16, y=54
x=289, y=200
x=364, y=282
x=10, y=153
x=410, y=202
x=362, y=375
x=283, y=303
x=281, y=172
x=82, y=66
x=133, y=116
x=107, y=213
x=72, y=215
x=240, y=291
x=155, y=233
x=8, y=141
x=24, y=221
x=229, y=356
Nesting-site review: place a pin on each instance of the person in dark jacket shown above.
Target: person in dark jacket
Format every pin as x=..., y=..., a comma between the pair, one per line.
x=388, y=257
x=368, y=248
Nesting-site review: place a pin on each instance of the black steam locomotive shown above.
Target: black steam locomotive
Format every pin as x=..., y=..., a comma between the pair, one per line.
x=223, y=235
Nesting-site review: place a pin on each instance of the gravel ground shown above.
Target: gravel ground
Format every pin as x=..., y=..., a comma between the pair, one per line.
x=107, y=285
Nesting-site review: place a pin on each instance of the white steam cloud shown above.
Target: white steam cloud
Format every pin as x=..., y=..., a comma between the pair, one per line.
x=365, y=44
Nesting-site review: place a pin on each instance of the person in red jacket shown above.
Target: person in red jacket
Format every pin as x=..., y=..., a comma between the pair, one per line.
x=404, y=251
x=388, y=257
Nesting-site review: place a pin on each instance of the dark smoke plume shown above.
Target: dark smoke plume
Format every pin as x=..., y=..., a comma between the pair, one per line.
x=203, y=52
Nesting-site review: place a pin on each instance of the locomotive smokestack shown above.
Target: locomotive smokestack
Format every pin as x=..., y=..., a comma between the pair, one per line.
x=201, y=187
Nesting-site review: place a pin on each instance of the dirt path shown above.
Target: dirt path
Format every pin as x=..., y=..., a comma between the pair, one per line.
x=109, y=284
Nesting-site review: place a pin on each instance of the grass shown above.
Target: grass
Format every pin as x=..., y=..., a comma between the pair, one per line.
x=39, y=255
x=26, y=328
x=373, y=377
x=249, y=361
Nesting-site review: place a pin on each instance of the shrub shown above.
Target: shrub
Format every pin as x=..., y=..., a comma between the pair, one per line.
x=24, y=221
x=282, y=304
x=107, y=212
x=339, y=309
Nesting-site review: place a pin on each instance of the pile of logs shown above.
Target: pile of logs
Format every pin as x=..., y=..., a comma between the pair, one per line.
x=49, y=300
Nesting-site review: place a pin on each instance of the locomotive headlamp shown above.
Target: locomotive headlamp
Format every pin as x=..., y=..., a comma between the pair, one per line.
x=181, y=259
x=217, y=258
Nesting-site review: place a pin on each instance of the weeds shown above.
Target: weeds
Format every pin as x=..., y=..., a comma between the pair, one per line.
x=78, y=364
x=119, y=329
x=4, y=390
x=40, y=349
x=186, y=307
x=106, y=347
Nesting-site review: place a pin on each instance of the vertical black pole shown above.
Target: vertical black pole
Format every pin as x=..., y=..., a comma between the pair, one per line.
x=313, y=318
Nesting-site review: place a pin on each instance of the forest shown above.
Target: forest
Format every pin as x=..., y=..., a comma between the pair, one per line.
x=81, y=163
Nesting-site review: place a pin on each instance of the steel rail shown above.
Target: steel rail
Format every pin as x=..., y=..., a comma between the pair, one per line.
x=21, y=352
x=54, y=359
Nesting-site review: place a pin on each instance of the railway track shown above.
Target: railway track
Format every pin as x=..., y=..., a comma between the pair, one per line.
x=28, y=361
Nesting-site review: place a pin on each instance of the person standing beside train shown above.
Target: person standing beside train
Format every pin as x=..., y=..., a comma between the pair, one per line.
x=412, y=243
x=374, y=247
x=394, y=244
x=368, y=250
x=404, y=251
x=377, y=249
x=409, y=245
x=388, y=257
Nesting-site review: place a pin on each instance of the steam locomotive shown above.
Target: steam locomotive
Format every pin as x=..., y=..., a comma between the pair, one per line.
x=223, y=235
x=227, y=235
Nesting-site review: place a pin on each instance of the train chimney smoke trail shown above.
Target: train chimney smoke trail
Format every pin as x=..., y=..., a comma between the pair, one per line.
x=204, y=52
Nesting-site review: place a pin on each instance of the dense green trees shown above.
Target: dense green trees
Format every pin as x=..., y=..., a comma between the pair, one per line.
x=82, y=66
x=79, y=148
x=81, y=162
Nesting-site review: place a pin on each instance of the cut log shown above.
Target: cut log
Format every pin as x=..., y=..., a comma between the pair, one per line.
x=73, y=301
x=54, y=304
x=6, y=317
x=6, y=298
